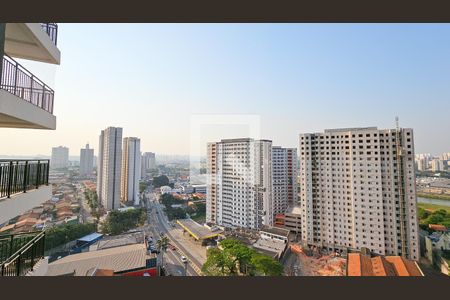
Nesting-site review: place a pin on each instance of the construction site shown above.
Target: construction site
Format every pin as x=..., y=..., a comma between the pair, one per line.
x=299, y=261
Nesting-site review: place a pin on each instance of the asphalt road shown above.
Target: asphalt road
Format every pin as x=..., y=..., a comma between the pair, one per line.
x=157, y=223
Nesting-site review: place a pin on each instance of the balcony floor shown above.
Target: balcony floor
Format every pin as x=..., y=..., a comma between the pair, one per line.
x=22, y=202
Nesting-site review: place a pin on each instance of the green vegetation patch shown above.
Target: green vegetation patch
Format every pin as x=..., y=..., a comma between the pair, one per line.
x=234, y=258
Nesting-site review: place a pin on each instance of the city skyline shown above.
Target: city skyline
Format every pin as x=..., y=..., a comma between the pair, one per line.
x=297, y=77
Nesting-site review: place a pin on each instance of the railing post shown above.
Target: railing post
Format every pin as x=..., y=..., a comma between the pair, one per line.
x=18, y=264
x=25, y=177
x=33, y=250
x=10, y=179
x=11, y=246
x=48, y=172
x=38, y=173
x=2, y=46
x=15, y=77
x=31, y=90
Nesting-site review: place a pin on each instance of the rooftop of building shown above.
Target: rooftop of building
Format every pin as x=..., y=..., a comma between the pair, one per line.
x=272, y=248
x=196, y=230
x=350, y=129
x=90, y=237
x=276, y=231
x=242, y=140
x=117, y=259
x=363, y=265
x=437, y=227
x=294, y=210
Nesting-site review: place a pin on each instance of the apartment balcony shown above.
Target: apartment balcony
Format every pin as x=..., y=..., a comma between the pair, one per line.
x=23, y=254
x=33, y=41
x=25, y=101
x=23, y=185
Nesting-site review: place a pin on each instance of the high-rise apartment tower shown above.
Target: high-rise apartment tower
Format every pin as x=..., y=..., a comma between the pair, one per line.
x=358, y=190
x=109, y=167
x=239, y=183
x=131, y=170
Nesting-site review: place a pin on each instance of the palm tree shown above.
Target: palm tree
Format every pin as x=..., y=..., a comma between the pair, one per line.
x=161, y=245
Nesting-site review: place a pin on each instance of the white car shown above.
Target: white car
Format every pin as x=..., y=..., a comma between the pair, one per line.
x=184, y=259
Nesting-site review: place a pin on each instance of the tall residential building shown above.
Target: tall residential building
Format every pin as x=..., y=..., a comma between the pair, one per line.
x=60, y=157
x=421, y=164
x=239, y=183
x=284, y=179
x=358, y=190
x=25, y=102
x=437, y=165
x=131, y=170
x=109, y=167
x=86, y=161
x=148, y=162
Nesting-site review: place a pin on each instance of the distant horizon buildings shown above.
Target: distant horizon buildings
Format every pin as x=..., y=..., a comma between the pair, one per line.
x=59, y=158
x=131, y=170
x=148, y=162
x=109, y=167
x=239, y=183
x=358, y=190
x=86, y=161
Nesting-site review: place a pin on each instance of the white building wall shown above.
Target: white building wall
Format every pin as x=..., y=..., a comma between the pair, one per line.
x=60, y=157
x=239, y=183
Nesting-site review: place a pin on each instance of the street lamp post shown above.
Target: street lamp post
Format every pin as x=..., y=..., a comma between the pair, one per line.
x=185, y=267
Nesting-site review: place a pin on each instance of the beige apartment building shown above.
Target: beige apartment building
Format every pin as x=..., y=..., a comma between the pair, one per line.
x=131, y=170
x=358, y=190
x=239, y=183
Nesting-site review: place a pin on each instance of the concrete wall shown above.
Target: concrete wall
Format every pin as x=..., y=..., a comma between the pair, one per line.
x=20, y=203
x=18, y=113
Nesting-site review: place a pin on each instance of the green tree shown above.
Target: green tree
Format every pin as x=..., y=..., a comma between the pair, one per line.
x=118, y=222
x=160, y=181
x=264, y=265
x=60, y=235
x=234, y=258
x=142, y=186
x=162, y=245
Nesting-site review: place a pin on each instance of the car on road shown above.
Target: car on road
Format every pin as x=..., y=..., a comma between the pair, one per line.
x=183, y=259
x=172, y=247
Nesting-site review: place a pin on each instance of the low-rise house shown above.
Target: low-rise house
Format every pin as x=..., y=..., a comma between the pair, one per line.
x=359, y=264
x=273, y=241
x=437, y=227
x=63, y=204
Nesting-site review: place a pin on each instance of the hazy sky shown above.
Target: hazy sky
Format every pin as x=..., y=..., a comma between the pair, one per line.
x=151, y=79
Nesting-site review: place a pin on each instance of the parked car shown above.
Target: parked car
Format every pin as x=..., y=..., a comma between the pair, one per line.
x=184, y=259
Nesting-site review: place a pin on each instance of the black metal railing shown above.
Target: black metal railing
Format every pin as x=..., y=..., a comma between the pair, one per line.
x=19, y=176
x=18, y=81
x=52, y=31
x=20, y=262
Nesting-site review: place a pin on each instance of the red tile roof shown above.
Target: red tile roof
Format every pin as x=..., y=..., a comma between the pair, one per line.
x=363, y=265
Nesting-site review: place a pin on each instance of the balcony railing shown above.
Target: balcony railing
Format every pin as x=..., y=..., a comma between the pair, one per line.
x=52, y=31
x=20, y=176
x=18, y=81
x=29, y=249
